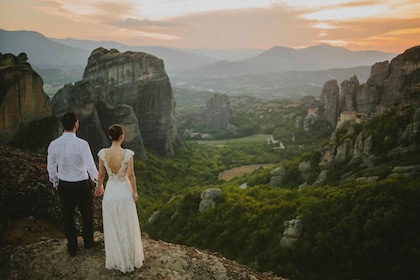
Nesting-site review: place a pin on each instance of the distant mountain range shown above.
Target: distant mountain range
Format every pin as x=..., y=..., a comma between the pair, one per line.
x=41, y=50
x=70, y=53
x=276, y=59
x=234, y=62
x=61, y=61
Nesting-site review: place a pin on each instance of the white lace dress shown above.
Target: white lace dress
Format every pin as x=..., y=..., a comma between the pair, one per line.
x=122, y=236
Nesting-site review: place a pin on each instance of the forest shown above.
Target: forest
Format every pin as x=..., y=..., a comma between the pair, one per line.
x=350, y=230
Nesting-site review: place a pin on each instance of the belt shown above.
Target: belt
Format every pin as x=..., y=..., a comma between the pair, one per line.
x=76, y=182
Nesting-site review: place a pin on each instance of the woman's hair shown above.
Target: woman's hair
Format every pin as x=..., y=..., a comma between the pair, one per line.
x=115, y=131
x=68, y=120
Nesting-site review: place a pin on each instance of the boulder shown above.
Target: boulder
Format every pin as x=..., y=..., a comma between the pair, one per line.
x=304, y=169
x=154, y=217
x=344, y=151
x=277, y=176
x=291, y=233
x=208, y=198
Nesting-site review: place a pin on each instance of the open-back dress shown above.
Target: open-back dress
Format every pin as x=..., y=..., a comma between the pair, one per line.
x=122, y=236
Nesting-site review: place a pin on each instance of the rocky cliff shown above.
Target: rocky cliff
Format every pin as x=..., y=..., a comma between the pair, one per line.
x=391, y=87
x=32, y=246
x=47, y=259
x=389, y=84
x=25, y=111
x=131, y=88
x=214, y=117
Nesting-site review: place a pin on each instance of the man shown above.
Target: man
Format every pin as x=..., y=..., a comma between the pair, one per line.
x=69, y=164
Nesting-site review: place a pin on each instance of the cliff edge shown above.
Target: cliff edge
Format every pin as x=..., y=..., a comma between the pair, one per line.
x=48, y=259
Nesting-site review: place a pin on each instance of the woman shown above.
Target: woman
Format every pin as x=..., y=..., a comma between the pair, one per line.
x=122, y=236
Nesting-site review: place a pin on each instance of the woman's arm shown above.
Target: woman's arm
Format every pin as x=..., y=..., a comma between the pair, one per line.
x=99, y=189
x=132, y=178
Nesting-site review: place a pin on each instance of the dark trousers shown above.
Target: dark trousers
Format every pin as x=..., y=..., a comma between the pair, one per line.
x=78, y=194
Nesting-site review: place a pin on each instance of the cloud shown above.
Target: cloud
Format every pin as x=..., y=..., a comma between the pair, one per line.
x=347, y=13
x=85, y=10
x=257, y=27
x=133, y=22
x=375, y=33
x=357, y=24
x=151, y=35
x=349, y=10
x=311, y=5
x=162, y=9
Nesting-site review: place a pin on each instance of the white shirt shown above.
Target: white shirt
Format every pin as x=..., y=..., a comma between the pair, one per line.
x=70, y=159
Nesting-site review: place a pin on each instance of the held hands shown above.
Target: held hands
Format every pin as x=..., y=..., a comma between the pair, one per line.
x=99, y=190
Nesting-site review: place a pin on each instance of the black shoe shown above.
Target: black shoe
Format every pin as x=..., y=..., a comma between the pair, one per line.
x=91, y=245
x=72, y=252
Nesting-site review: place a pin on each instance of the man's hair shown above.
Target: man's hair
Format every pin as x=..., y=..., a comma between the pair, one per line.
x=115, y=131
x=68, y=120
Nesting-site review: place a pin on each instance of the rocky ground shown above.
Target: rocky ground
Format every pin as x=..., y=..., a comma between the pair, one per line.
x=32, y=245
x=48, y=259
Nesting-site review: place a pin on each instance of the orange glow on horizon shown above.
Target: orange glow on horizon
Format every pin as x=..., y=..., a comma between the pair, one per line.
x=355, y=24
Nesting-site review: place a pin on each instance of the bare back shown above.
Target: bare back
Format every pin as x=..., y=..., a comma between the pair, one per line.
x=114, y=157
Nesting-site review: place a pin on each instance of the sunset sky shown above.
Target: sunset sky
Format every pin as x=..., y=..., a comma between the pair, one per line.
x=384, y=25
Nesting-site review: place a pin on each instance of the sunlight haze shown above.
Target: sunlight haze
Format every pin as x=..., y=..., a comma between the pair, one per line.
x=388, y=25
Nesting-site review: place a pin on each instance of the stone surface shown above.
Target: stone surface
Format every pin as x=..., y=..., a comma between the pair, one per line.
x=330, y=101
x=25, y=109
x=208, y=198
x=391, y=86
x=292, y=231
x=32, y=245
x=130, y=88
x=96, y=115
x=215, y=115
x=277, y=176
x=48, y=259
x=348, y=91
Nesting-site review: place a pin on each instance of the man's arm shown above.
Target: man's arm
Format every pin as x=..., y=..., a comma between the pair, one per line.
x=90, y=163
x=52, y=167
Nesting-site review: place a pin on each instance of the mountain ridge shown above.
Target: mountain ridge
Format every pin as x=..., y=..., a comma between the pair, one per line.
x=279, y=58
x=42, y=50
x=14, y=41
x=189, y=68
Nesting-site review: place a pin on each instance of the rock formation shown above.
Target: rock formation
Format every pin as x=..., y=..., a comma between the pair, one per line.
x=330, y=101
x=25, y=109
x=130, y=88
x=214, y=117
x=307, y=102
x=277, y=177
x=292, y=231
x=96, y=115
x=209, y=197
x=389, y=84
x=394, y=85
